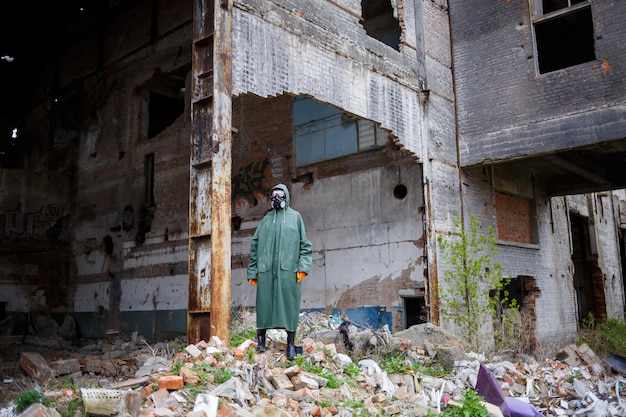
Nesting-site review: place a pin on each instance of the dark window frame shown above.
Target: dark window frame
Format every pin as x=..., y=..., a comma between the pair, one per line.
x=563, y=34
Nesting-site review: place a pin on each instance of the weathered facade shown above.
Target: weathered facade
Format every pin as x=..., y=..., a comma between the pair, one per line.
x=387, y=120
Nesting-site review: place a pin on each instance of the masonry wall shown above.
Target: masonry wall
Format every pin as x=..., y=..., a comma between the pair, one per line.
x=105, y=206
x=506, y=109
x=130, y=245
x=367, y=242
x=320, y=49
x=545, y=266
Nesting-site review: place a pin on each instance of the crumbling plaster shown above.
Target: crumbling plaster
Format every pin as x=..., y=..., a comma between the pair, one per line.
x=293, y=50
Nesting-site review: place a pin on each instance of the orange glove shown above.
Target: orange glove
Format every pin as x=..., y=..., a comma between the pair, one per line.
x=252, y=281
x=300, y=276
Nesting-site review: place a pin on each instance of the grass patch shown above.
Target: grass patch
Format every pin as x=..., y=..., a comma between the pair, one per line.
x=26, y=399
x=307, y=366
x=430, y=370
x=392, y=361
x=241, y=336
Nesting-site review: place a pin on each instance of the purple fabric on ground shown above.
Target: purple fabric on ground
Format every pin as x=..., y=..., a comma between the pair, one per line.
x=488, y=387
x=519, y=408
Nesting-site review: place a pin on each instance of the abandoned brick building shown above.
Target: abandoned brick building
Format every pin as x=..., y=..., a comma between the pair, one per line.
x=139, y=137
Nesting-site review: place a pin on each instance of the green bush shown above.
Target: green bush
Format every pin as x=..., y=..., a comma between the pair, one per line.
x=471, y=275
x=605, y=338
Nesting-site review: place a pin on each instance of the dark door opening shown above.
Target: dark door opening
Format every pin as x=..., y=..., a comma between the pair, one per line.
x=622, y=257
x=415, y=311
x=588, y=280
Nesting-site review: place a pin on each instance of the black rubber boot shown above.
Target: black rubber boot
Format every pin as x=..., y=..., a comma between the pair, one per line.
x=291, y=348
x=260, y=340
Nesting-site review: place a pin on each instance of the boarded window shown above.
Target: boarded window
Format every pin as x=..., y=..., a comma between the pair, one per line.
x=564, y=34
x=514, y=218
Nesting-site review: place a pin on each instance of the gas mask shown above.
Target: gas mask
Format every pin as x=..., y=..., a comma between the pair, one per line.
x=278, y=199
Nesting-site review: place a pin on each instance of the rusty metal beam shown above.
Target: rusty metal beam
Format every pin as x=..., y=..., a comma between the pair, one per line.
x=221, y=163
x=210, y=173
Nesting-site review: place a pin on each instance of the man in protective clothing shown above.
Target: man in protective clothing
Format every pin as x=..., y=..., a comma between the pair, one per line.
x=280, y=258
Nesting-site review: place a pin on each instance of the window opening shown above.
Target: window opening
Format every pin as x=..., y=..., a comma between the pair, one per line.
x=162, y=112
x=564, y=34
x=380, y=21
x=322, y=132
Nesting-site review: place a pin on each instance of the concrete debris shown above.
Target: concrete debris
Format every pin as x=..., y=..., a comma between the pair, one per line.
x=209, y=378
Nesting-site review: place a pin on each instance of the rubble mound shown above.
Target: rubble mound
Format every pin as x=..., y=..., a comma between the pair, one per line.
x=362, y=372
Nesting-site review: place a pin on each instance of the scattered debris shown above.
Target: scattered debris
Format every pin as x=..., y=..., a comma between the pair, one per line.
x=131, y=378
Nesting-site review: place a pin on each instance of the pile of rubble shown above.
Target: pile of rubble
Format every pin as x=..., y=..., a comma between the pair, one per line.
x=114, y=377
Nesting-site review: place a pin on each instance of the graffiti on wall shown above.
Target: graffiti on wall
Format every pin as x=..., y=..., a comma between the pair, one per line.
x=250, y=182
x=46, y=223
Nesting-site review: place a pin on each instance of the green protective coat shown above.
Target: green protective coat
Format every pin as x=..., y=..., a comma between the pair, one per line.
x=278, y=251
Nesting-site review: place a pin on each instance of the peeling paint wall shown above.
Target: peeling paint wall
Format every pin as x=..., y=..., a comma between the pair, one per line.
x=130, y=234
x=34, y=239
x=368, y=244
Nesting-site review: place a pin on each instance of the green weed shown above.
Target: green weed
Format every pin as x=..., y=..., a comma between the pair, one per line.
x=26, y=399
x=471, y=407
x=430, y=370
x=351, y=369
x=472, y=274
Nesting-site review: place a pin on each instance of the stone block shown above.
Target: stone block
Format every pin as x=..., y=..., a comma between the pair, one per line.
x=39, y=410
x=35, y=365
x=193, y=351
x=65, y=366
x=281, y=381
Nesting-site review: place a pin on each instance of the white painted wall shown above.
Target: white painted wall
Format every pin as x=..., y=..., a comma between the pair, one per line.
x=359, y=231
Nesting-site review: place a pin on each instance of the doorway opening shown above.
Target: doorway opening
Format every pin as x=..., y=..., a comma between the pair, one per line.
x=588, y=279
x=415, y=311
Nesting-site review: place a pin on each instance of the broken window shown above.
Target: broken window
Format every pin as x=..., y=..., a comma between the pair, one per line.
x=163, y=111
x=514, y=203
x=380, y=21
x=323, y=132
x=164, y=95
x=564, y=34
